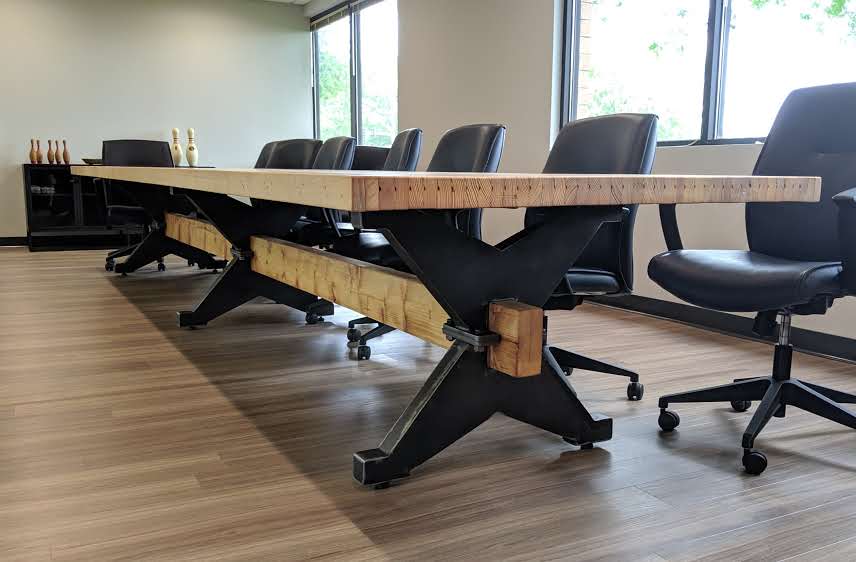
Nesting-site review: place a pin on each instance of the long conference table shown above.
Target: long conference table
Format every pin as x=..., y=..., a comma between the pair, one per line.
x=482, y=302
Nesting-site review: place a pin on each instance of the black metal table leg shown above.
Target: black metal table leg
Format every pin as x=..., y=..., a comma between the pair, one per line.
x=238, y=284
x=465, y=275
x=460, y=395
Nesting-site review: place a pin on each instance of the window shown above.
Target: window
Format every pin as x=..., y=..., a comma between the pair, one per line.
x=333, y=47
x=711, y=70
x=379, y=73
x=776, y=46
x=650, y=68
x=355, y=54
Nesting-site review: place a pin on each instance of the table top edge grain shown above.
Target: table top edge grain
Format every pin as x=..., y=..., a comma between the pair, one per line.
x=379, y=191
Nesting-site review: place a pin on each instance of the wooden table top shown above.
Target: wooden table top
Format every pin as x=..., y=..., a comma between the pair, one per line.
x=386, y=191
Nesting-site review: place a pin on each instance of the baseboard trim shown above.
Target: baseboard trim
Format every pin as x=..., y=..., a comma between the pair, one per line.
x=13, y=241
x=807, y=341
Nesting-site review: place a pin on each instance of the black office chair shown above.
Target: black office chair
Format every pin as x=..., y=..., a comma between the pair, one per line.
x=472, y=148
x=612, y=144
x=369, y=157
x=122, y=210
x=293, y=154
x=801, y=257
x=264, y=155
x=335, y=154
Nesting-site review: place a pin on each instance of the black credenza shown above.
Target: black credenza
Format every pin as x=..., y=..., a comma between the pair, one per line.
x=65, y=212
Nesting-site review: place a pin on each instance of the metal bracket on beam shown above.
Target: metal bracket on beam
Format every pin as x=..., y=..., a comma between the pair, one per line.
x=242, y=254
x=479, y=342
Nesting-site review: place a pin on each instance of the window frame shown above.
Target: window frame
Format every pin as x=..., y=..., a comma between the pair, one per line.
x=353, y=8
x=714, y=74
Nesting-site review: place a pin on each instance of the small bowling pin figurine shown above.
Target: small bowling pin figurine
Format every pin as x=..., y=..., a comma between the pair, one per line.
x=39, y=156
x=51, y=154
x=57, y=152
x=32, y=151
x=192, y=152
x=175, y=149
x=66, y=155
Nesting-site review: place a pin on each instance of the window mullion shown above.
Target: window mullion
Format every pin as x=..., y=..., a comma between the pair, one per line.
x=316, y=94
x=713, y=70
x=356, y=97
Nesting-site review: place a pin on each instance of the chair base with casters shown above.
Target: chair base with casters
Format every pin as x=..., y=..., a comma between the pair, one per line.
x=128, y=220
x=605, y=285
x=358, y=339
x=775, y=393
x=568, y=361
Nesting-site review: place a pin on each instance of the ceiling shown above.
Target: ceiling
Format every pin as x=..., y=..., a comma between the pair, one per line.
x=298, y=2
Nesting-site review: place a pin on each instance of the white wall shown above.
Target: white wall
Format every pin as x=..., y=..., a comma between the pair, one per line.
x=495, y=61
x=88, y=70
x=473, y=61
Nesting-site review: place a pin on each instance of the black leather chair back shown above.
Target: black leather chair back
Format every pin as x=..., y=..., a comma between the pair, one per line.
x=402, y=156
x=814, y=135
x=295, y=154
x=136, y=153
x=264, y=155
x=335, y=154
x=369, y=157
x=623, y=143
x=471, y=148
x=404, y=153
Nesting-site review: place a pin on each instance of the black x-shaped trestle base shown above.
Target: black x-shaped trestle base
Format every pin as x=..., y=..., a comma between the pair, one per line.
x=460, y=395
x=465, y=275
x=156, y=245
x=238, y=284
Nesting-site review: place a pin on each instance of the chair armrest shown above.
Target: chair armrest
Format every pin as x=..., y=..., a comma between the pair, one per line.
x=846, y=201
x=669, y=223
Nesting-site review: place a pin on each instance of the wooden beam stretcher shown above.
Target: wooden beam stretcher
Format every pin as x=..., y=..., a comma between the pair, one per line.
x=389, y=296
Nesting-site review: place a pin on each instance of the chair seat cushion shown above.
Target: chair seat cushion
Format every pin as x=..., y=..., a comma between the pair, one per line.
x=743, y=281
x=370, y=247
x=121, y=215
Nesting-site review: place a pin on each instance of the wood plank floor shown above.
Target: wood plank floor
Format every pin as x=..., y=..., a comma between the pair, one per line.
x=123, y=437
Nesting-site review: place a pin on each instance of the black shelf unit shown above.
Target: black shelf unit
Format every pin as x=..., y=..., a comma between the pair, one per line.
x=65, y=212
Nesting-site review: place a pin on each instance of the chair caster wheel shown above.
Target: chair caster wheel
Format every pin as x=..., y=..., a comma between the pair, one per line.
x=740, y=405
x=363, y=352
x=110, y=265
x=313, y=318
x=755, y=462
x=124, y=274
x=354, y=335
x=190, y=263
x=635, y=391
x=668, y=420
x=161, y=267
